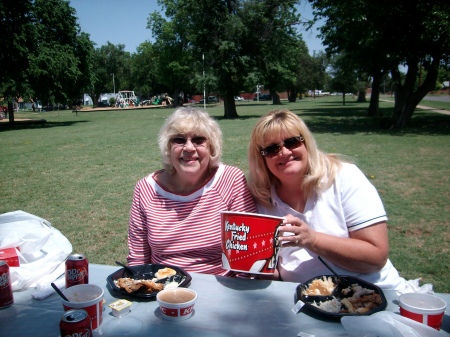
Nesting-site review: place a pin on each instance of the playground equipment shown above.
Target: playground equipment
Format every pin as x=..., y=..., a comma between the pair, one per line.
x=126, y=98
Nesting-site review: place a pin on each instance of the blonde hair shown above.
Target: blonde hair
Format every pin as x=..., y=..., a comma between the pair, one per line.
x=322, y=167
x=197, y=121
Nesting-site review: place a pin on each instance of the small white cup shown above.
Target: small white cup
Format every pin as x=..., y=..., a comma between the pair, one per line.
x=176, y=304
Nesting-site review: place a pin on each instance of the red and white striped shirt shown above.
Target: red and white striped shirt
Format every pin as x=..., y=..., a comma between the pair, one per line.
x=185, y=230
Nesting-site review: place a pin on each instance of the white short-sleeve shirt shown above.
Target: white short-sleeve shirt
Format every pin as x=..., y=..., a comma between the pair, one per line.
x=349, y=204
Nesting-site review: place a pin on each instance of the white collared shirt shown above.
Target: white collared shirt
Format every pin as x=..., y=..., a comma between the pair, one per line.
x=349, y=204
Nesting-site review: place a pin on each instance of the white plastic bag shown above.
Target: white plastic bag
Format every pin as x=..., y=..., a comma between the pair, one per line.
x=42, y=248
x=386, y=324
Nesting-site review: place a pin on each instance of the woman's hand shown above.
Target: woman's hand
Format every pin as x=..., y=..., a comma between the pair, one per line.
x=302, y=235
x=364, y=251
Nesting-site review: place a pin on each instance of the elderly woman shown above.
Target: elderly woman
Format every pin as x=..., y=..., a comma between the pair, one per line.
x=330, y=208
x=175, y=213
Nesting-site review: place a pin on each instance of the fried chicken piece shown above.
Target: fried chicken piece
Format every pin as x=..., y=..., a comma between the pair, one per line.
x=128, y=284
x=152, y=286
x=363, y=304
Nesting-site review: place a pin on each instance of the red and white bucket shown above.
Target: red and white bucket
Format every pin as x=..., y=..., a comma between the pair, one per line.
x=88, y=297
x=250, y=242
x=423, y=308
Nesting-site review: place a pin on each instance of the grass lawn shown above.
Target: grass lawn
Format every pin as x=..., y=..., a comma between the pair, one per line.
x=79, y=172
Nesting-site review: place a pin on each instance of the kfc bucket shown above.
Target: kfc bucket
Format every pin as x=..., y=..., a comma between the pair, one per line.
x=423, y=308
x=250, y=242
x=88, y=297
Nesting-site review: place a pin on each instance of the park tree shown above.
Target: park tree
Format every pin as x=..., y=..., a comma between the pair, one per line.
x=343, y=75
x=319, y=65
x=174, y=50
x=303, y=76
x=55, y=63
x=277, y=48
x=17, y=41
x=44, y=54
x=144, y=70
x=234, y=37
x=385, y=36
x=110, y=63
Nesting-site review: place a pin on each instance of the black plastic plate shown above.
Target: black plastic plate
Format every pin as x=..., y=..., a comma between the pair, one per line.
x=149, y=271
x=309, y=299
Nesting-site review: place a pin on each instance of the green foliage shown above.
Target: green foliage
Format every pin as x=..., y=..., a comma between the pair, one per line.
x=47, y=56
x=244, y=43
x=17, y=41
x=344, y=76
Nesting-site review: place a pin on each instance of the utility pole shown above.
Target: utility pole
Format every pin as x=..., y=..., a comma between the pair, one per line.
x=204, y=84
x=114, y=85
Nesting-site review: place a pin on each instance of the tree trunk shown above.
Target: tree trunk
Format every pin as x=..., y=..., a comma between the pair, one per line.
x=11, y=112
x=94, y=97
x=406, y=99
x=361, y=96
x=375, y=95
x=229, y=106
x=176, y=98
x=275, y=97
x=292, y=95
x=343, y=97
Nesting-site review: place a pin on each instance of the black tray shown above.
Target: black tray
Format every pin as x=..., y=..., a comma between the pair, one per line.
x=308, y=299
x=149, y=271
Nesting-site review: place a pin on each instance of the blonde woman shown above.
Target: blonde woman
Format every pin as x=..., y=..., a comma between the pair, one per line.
x=330, y=208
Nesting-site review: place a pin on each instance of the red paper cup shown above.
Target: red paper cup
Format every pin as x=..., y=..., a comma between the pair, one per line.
x=250, y=242
x=88, y=297
x=423, y=308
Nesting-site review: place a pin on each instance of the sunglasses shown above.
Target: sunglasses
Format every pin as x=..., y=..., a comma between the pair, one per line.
x=196, y=141
x=289, y=143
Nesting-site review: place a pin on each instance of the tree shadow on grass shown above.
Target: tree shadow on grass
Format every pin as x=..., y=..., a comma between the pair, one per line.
x=354, y=119
x=35, y=124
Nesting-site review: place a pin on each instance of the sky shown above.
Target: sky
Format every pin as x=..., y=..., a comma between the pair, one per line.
x=125, y=22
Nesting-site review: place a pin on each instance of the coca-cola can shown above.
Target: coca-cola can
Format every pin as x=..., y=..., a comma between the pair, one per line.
x=6, y=293
x=75, y=323
x=77, y=270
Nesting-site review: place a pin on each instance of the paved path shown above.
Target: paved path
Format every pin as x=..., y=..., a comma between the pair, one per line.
x=445, y=112
x=423, y=107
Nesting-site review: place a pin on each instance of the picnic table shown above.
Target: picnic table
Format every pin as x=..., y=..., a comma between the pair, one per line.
x=225, y=307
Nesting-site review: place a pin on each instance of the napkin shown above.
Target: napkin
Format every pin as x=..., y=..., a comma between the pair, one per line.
x=44, y=288
x=386, y=324
x=412, y=286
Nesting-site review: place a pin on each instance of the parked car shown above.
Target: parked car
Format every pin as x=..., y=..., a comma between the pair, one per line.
x=210, y=99
x=238, y=98
x=103, y=105
x=263, y=97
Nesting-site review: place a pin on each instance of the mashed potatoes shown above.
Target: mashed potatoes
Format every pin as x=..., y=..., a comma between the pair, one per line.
x=320, y=287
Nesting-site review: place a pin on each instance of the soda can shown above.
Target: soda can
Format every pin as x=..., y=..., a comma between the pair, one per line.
x=6, y=293
x=77, y=270
x=75, y=323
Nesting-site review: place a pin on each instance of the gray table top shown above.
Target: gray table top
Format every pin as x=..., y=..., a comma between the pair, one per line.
x=225, y=307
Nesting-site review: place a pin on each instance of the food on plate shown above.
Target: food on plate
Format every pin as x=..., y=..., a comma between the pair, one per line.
x=164, y=273
x=323, y=287
x=131, y=285
x=333, y=305
x=360, y=301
